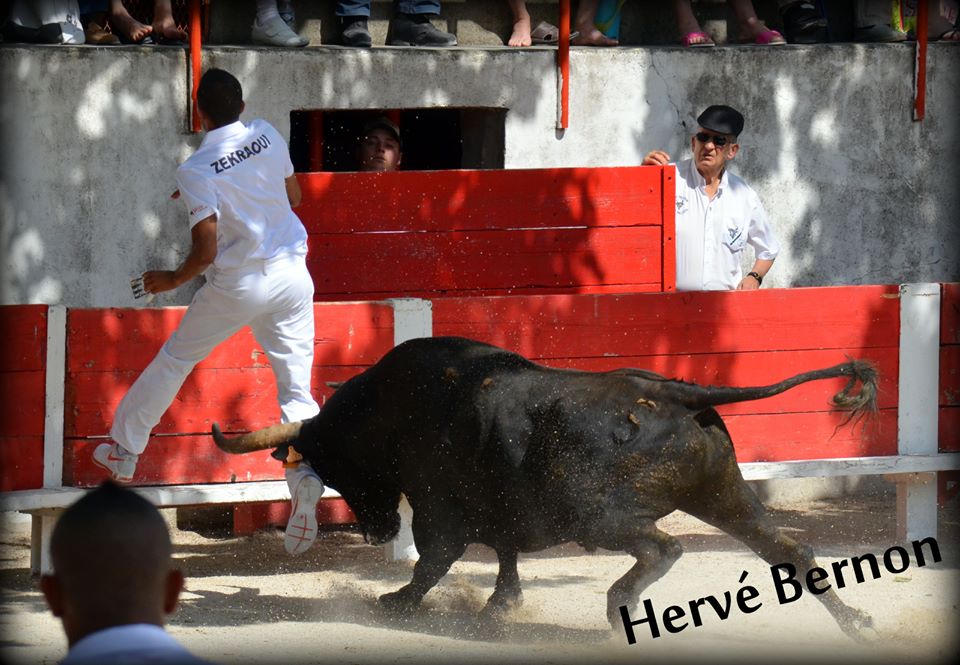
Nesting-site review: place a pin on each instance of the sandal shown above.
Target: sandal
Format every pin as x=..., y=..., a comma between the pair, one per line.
x=546, y=34
x=766, y=37
x=952, y=35
x=697, y=40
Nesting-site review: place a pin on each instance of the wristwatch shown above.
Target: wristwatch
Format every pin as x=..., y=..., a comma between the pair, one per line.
x=756, y=276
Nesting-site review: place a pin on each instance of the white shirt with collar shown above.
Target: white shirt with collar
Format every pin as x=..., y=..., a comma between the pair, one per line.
x=133, y=644
x=234, y=174
x=711, y=234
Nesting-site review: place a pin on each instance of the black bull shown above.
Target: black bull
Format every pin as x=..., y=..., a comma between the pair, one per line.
x=489, y=447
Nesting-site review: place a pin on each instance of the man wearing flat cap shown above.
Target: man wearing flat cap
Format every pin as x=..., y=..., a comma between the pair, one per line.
x=717, y=213
x=380, y=148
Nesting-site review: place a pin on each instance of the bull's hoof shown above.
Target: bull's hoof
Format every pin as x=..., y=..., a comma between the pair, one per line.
x=854, y=623
x=399, y=602
x=498, y=607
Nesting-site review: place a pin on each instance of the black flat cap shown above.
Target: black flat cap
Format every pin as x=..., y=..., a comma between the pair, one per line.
x=722, y=120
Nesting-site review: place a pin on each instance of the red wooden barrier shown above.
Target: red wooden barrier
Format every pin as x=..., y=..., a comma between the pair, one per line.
x=949, y=425
x=23, y=356
x=108, y=348
x=736, y=338
x=447, y=233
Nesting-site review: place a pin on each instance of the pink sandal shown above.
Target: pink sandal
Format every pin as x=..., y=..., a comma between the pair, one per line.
x=768, y=37
x=697, y=40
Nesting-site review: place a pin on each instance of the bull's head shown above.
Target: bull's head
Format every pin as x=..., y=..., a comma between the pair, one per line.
x=372, y=495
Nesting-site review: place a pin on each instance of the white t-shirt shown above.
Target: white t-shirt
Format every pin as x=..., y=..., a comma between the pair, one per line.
x=131, y=644
x=238, y=175
x=711, y=235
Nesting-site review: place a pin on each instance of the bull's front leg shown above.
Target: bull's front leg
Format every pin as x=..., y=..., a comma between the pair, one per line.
x=440, y=539
x=507, y=593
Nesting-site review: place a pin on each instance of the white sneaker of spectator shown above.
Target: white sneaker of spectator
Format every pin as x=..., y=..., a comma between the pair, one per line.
x=119, y=462
x=275, y=32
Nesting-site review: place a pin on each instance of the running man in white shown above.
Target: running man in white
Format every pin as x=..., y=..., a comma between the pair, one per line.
x=239, y=187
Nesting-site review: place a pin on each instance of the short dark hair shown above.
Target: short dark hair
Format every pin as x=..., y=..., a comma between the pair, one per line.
x=220, y=97
x=111, y=551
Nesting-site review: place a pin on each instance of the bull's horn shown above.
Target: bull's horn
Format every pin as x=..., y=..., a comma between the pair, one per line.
x=268, y=437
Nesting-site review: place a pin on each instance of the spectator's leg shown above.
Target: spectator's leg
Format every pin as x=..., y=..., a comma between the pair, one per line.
x=353, y=23
x=124, y=26
x=164, y=27
x=93, y=18
x=353, y=8
x=521, y=24
x=584, y=24
x=803, y=23
x=752, y=28
x=872, y=22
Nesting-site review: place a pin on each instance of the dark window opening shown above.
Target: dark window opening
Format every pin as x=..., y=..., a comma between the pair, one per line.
x=433, y=139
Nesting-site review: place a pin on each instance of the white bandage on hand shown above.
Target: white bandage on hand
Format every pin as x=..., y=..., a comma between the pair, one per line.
x=136, y=285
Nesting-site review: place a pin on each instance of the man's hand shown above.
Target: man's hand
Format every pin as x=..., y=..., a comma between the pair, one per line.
x=748, y=283
x=158, y=281
x=656, y=158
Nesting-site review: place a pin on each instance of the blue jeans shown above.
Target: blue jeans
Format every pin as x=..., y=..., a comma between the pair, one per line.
x=362, y=7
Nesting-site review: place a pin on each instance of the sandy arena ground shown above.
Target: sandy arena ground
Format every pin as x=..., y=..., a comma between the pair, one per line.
x=248, y=602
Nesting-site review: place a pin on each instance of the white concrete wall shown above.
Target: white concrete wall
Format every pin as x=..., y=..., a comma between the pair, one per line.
x=859, y=192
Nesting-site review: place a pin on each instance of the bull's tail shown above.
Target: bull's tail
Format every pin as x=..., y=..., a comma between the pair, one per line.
x=856, y=401
x=268, y=437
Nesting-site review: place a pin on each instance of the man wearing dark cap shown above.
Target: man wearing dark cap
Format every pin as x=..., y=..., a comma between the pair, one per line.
x=717, y=213
x=380, y=149
x=113, y=582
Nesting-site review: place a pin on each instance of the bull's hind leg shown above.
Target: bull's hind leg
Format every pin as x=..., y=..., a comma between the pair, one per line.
x=735, y=509
x=655, y=551
x=507, y=593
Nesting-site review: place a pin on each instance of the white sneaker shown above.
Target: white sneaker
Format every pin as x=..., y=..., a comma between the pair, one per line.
x=302, y=527
x=275, y=32
x=119, y=462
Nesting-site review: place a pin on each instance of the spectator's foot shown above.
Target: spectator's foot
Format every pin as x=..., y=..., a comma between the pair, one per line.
x=119, y=462
x=417, y=30
x=766, y=37
x=96, y=35
x=355, y=33
x=521, y=32
x=878, y=33
x=302, y=527
x=950, y=36
x=804, y=24
x=697, y=40
x=167, y=33
x=129, y=29
x=274, y=32
x=590, y=36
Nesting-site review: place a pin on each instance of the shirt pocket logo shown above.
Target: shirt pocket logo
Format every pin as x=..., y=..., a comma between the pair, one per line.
x=735, y=238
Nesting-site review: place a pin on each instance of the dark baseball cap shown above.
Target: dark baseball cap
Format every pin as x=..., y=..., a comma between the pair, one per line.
x=722, y=120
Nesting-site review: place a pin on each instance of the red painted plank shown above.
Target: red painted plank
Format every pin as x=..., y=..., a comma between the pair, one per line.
x=670, y=323
x=950, y=375
x=23, y=396
x=238, y=399
x=758, y=369
x=780, y=437
x=24, y=345
x=484, y=261
x=21, y=463
x=489, y=199
x=173, y=460
x=950, y=313
x=128, y=339
x=949, y=429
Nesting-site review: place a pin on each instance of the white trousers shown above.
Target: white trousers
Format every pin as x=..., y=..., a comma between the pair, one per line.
x=274, y=298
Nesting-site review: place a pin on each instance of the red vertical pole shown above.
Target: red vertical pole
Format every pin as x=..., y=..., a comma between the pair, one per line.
x=563, y=67
x=920, y=71
x=668, y=229
x=196, y=60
